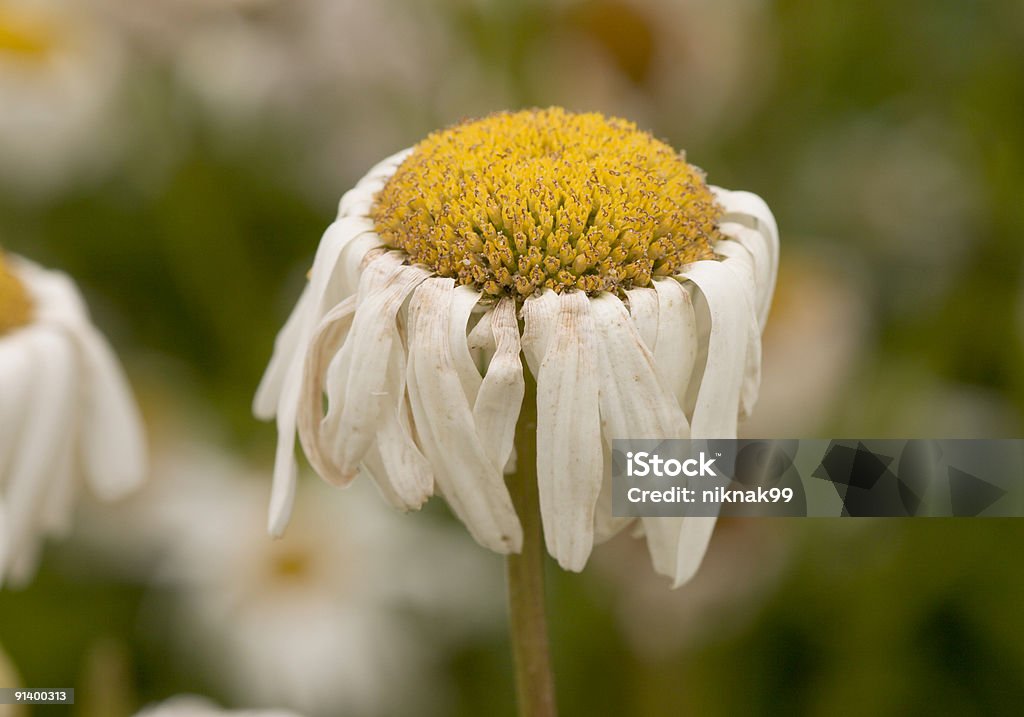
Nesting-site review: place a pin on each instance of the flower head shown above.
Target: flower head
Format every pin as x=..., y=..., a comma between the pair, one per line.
x=65, y=412
x=635, y=292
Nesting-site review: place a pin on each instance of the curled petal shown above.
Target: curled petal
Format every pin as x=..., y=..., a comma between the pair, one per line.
x=675, y=349
x=569, y=454
x=739, y=260
x=351, y=422
x=633, y=401
x=501, y=394
x=752, y=211
x=323, y=349
x=718, y=396
x=471, y=483
x=539, y=317
x=464, y=300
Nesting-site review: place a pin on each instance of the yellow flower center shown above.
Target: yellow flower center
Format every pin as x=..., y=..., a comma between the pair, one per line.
x=517, y=202
x=15, y=304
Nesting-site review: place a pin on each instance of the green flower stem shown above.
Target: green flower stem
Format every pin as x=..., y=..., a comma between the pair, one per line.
x=535, y=685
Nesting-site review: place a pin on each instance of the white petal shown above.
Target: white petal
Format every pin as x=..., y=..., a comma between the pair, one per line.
x=282, y=490
x=752, y=211
x=16, y=371
x=675, y=350
x=762, y=265
x=606, y=525
x=408, y=472
x=569, y=453
x=634, y=403
x=48, y=433
x=464, y=299
x=501, y=394
x=481, y=338
x=351, y=422
x=741, y=262
x=113, y=442
x=323, y=351
x=286, y=344
x=539, y=316
x=474, y=488
x=677, y=545
x=643, y=307
x=718, y=396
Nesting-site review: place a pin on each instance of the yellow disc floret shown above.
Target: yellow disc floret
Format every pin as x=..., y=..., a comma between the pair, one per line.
x=15, y=304
x=517, y=202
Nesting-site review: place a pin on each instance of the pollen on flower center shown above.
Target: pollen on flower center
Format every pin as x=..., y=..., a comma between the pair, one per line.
x=15, y=304
x=517, y=202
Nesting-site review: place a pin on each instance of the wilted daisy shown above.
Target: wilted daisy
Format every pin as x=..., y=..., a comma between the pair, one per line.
x=66, y=412
x=636, y=293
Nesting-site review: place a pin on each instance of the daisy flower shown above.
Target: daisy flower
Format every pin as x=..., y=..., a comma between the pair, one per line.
x=66, y=412
x=60, y=72
x=635, y=292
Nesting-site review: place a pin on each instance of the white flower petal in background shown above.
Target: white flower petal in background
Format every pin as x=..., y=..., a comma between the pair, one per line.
x=67, y=416
x=327, y=620
x=60, y=71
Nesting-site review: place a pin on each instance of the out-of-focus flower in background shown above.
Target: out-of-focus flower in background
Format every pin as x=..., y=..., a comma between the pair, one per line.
x=66, y=413
x=192, y=706
x=352, y=601
x=60, y=70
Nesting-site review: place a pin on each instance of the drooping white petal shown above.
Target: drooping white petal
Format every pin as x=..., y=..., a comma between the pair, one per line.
x=752, y=211
x=323, y=352
x=112, y=441
x=16, y=371
x=464, y=299
x=762, y=264
x=634, y=403
x=606, y=525
x=643, y=308
x=569, y=455
x=474, y=488
x=328, y=284
x=675, y=350
x=49, y=422
x=408, y=472
x=286, y=344
x=501, y=393
x=738, y=259
x=351, y=424
x=282, y=489
x=717, y=404
x=539, y=317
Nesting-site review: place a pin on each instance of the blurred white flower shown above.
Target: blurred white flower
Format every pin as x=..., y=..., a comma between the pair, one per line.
x=60, y=69
x=327, y=620
x=190, y=706
x=66, y=413
x=651, y=333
